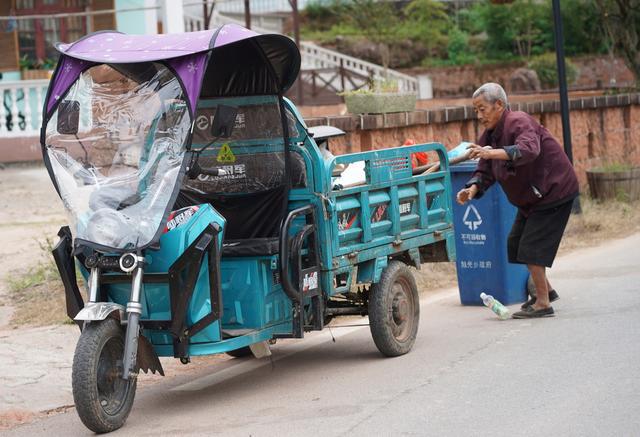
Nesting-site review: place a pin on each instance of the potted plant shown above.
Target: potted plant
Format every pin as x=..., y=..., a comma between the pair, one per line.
x=615, y=181
x=379, y=97
x=33, y=70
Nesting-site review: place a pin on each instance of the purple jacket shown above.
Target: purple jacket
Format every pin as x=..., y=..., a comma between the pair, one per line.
x=538, y=175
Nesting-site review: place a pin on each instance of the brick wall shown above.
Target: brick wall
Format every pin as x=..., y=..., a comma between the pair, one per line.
x=603, y=128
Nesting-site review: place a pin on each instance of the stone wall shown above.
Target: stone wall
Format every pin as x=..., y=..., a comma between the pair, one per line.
x=604, y=129
x=594, y=72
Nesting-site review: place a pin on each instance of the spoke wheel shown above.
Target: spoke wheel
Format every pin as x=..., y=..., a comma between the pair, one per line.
x=394, y=310
x=103, y=399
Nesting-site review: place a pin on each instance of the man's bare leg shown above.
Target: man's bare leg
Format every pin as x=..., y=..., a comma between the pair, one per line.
x=538, y=273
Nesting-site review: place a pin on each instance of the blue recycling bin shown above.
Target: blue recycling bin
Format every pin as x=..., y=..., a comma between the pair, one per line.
x=481, y=230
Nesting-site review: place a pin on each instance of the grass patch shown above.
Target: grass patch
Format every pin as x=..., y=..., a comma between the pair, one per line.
x=614, y=167
x=37, y=297
x=600, y=221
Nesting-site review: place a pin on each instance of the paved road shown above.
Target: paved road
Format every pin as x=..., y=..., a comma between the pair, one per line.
x=469, y=374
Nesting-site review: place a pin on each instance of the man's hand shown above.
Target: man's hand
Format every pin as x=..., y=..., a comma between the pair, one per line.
x=486, y=152
x=466, y=194
x=476, y=151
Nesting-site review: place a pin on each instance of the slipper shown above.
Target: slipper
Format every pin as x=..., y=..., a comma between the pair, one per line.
x=553, y=296
x=530, y=313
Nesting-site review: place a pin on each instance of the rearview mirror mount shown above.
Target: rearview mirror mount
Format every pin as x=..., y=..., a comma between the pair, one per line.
x=68, y=117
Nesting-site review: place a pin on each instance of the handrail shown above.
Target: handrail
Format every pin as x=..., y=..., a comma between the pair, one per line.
x=332, y=58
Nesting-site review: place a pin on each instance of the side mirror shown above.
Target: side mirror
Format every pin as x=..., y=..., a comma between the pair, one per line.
x=68, y=117
x=224, y=121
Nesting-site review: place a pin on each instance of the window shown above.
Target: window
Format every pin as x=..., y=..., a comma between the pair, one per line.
x=37, y=37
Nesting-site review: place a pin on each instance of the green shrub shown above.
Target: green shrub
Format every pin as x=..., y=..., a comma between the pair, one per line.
x=546, y=68
x=458, y=50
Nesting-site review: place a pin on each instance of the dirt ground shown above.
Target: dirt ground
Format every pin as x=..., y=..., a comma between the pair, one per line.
x=33, y=326
x=30, y=213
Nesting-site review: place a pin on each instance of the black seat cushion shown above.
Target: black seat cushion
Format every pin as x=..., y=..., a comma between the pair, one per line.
x=249, y=216
x=251, y=247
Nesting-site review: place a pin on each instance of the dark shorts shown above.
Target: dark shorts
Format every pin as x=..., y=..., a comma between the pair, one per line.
x=535, y=239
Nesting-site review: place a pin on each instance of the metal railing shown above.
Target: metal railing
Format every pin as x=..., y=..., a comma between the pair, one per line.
x=193, y=23
x=21, y=107
x=315, y=57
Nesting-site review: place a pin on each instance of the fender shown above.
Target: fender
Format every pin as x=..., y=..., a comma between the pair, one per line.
x=100, y=311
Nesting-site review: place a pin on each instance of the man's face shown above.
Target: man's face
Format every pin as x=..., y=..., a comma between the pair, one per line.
x=488, y=113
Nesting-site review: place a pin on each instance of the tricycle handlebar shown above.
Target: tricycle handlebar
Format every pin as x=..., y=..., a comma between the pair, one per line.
x=291, y=291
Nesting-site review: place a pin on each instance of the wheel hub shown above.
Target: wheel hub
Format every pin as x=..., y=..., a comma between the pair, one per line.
x=402, y=308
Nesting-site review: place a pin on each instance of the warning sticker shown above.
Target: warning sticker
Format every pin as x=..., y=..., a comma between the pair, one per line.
x=225, y=155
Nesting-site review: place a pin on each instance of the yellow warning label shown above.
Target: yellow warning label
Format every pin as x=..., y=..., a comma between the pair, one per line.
x=225, y=155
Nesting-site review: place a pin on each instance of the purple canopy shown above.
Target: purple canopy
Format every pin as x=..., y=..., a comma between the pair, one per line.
x=232, y=60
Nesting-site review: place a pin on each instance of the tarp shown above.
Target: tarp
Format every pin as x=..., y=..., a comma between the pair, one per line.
x=241, y=62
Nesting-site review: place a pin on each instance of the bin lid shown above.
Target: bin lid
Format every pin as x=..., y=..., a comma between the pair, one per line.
x=464, y=167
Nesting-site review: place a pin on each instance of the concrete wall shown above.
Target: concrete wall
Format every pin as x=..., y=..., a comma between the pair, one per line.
x=604, y=129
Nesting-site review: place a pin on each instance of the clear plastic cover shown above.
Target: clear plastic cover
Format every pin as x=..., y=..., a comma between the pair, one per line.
x=116, y=145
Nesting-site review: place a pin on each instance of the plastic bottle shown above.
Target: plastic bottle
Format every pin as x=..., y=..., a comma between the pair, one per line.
x=501, y=311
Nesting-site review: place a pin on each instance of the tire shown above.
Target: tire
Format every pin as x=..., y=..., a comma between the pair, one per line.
x=394, y=310
x=103, y=399
x=240, y=353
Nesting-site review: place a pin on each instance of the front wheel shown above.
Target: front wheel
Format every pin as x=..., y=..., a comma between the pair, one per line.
x=103, y=399
x=394, y=310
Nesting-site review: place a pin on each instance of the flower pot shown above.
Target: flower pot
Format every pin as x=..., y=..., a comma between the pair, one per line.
x=35, y=74
x=614, y=185
x=379, y=103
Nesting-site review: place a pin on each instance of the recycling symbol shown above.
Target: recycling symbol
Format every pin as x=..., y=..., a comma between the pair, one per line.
x=472, y=218
x=225, y=155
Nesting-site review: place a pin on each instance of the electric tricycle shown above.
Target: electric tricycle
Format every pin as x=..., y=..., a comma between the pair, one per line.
x=204, y=218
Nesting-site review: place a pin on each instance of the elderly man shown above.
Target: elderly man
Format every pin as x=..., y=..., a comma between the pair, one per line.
x=537, y=177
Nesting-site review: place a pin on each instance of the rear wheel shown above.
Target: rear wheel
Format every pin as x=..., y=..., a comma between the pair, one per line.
x=103, y=399
x=394, y=310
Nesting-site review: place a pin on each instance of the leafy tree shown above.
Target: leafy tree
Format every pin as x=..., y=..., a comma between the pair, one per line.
x=622, y=24
x=514, y=28
x=426, y=21
x=378, y=21
x=582, y=26
x=458, y=47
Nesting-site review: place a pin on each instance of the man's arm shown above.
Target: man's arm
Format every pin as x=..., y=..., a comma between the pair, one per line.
x=482, y=178
x=526, y=147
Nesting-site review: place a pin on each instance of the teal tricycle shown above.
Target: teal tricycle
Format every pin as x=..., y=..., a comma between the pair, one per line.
x=204, y=218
